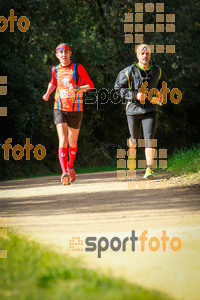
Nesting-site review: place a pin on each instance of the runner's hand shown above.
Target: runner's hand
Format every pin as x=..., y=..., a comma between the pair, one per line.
x=141, y=96
x=46, y=97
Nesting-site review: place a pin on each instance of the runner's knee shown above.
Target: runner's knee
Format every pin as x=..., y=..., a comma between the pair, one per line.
x=63, y=141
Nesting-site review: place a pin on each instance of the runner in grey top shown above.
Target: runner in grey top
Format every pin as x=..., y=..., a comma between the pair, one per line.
x=139, y=110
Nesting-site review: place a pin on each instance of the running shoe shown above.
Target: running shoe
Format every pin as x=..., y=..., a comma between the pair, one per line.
x=65, y=179
x=71, y=172
x=149, y=174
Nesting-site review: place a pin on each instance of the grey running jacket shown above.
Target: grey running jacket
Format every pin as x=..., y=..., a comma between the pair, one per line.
x=128, y=83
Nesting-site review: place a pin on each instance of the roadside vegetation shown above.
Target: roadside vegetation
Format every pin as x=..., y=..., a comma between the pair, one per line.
x=32, y=271
x=185, y=161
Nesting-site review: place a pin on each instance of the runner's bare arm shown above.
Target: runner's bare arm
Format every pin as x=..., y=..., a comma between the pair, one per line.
x=50, y=89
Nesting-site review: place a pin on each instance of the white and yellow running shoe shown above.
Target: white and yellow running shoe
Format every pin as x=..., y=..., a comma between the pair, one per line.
x=149, y=174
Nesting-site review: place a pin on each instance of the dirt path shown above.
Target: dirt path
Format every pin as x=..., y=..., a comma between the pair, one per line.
x=100, y=205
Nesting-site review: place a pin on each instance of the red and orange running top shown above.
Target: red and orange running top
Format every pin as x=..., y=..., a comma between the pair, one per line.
x=63, y=77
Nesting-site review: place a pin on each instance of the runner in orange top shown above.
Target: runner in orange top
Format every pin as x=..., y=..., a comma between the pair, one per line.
x=70, y=80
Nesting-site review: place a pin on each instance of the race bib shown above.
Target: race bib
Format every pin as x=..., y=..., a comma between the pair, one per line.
x=64, y=93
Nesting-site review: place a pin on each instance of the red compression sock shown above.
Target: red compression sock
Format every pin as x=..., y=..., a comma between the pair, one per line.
x=62, y=154
x=72, y=155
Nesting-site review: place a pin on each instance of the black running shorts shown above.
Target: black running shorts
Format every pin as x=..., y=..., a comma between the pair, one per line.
x=148, y=122
x=72, y=118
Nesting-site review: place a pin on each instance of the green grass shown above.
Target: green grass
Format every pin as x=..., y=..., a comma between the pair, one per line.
x=95, y=169
x=33, y=272
x=78, y=171
x=185, y=161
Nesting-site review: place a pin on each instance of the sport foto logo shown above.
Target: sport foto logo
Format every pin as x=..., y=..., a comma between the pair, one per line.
x=164, y=91
x=116, y=244
x=104, y=96
x=159, y=27
x=18, y=150
x=23, y=23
